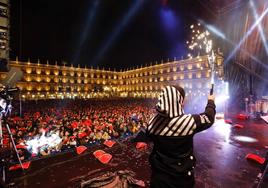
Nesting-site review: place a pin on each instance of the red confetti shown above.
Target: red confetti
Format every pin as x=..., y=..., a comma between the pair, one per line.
x=74, y=125
x=19, y=146
x=140, y=183
x=98, y=153
x=80, y=149
x=105, y=158
x=82, y=135
x=109, y=143
x=25, y=165
x=255, y=158
x=141, y=145
x=229, y=121
x=239, y=126
x=242, y=116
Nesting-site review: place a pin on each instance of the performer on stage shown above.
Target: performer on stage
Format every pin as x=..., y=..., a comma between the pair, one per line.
x=172, y=160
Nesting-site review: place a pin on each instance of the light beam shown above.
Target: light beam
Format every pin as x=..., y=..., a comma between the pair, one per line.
x=220, y=34
x=134, y=8
x=246, y=35
x=86, y=31
x=256, y=15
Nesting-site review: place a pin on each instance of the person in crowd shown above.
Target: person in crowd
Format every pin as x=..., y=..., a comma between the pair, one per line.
x=77, y=122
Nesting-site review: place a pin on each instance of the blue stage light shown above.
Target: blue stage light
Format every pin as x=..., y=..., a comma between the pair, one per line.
x=134, y=9
x=168, y=18
x=86, y=32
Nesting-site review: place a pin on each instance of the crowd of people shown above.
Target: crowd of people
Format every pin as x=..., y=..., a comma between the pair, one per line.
x=50, y=126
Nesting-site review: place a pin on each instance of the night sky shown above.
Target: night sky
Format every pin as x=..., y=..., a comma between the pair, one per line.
x=106, y=33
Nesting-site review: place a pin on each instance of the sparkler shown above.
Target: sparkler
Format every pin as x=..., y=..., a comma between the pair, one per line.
x=201, y=44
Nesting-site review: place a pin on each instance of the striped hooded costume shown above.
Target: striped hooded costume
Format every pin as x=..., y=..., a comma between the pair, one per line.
x=172, y=161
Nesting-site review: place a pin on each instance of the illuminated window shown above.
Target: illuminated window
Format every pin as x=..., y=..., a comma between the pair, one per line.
x=198, y=75
x=56, y=72
x=64, y=80
x=47, y=79
x=38, y=71
x=28, y=78
x=28, y=70
x=39, y=88
x=190, y=66
x=29, y=87
x=219, y=62
x=38, y=79
x=190, y=75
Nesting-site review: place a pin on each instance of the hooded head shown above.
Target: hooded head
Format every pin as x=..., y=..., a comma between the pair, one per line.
x=170, y=101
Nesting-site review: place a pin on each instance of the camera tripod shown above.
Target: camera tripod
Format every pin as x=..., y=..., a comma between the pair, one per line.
x=6, y=110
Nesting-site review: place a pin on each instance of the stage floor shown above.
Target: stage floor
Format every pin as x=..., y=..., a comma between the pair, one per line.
x=220, y=153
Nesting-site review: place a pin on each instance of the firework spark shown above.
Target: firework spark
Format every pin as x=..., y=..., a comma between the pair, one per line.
x=201, y=43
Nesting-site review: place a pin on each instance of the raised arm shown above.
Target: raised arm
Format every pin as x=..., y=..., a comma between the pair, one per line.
x=206, y=119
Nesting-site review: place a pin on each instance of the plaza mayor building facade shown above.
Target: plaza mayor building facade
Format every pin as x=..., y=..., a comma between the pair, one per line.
x=52, y=81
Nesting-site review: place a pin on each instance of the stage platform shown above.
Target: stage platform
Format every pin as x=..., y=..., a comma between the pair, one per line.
x=220, y=153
